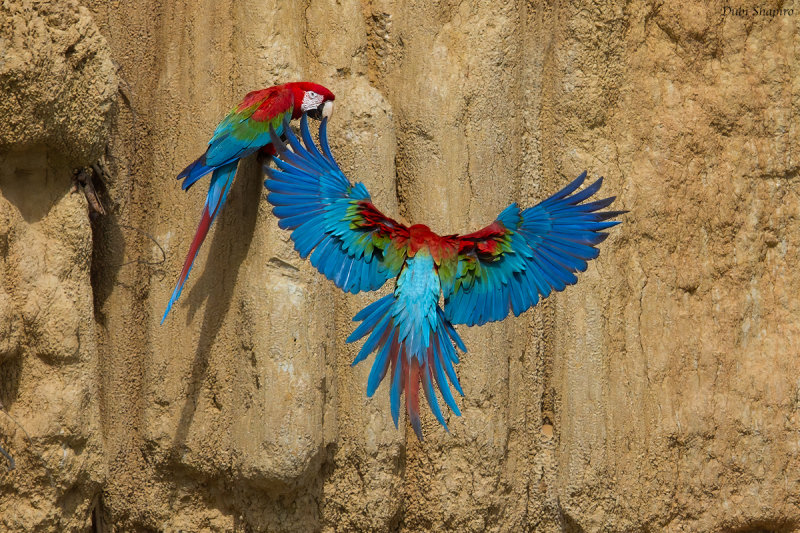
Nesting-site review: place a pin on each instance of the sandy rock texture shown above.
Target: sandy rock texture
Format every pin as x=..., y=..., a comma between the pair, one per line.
x=57, y=79
x=659, y=394
x=57, y=88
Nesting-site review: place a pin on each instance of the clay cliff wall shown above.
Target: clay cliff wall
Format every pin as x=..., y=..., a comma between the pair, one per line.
x=662, y=392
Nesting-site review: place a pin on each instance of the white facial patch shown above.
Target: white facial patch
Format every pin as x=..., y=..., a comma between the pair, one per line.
x=311, y=100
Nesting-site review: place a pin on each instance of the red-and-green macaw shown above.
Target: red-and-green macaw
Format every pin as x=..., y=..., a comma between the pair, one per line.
x=244, y=131
x=507, y=266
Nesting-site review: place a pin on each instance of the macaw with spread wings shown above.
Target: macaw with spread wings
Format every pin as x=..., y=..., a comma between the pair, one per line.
x=508, y=266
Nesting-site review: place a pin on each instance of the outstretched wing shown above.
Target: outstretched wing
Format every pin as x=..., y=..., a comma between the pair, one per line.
x=525, y=255
x=353, y=244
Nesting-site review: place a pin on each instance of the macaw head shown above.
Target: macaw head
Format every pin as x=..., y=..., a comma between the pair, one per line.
x=314, y=99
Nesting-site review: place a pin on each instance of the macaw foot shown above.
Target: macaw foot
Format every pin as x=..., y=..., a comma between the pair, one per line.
x=83, y=178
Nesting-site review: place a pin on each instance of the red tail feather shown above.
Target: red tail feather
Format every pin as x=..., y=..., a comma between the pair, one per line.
x=412, y=395
x=199, y=237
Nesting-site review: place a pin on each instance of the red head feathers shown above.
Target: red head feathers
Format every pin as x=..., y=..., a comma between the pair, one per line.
x=311, y=98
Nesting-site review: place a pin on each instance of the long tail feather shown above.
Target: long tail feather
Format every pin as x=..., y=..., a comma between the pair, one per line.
x=221, y=181
x=412, y=362
x=412, y=396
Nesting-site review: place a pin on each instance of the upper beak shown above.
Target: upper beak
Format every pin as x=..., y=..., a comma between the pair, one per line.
x=324, y=110
x=327, y=109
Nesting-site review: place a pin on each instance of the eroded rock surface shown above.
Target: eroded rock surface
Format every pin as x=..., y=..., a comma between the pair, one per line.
x=57, y=79
x=57, y=87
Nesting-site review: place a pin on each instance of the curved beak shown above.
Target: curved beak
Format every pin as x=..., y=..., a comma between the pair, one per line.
x=324, y=110
x=327, y=109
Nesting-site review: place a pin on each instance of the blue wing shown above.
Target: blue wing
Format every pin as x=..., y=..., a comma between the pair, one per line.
x=525, y=255
x=349, y=240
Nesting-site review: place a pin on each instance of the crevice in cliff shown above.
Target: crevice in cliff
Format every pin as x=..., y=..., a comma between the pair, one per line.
x=100, y=518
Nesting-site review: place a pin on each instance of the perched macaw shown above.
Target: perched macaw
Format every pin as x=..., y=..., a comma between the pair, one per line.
x=244, y=131
x=509, y=265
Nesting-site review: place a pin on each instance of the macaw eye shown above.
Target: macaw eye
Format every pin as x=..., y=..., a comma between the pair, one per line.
x=311, y=100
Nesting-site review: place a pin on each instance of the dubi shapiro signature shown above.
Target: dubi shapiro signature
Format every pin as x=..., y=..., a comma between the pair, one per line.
x=757, y=11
